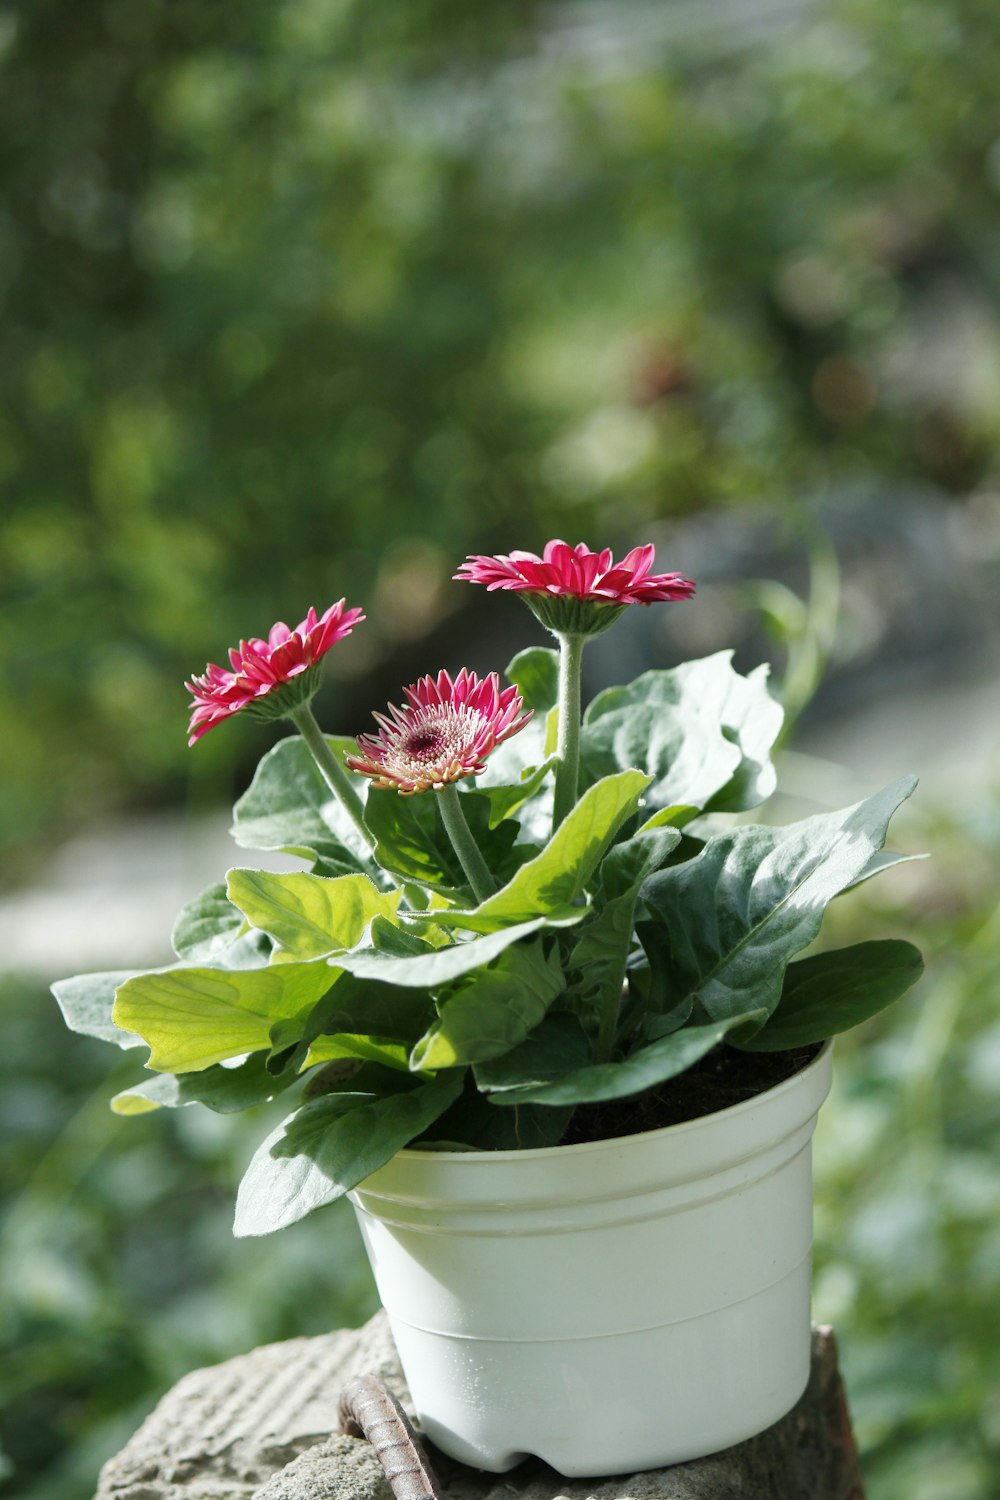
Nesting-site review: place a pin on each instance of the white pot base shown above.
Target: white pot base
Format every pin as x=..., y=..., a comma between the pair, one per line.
x=611, y=1307
x=610, y=1405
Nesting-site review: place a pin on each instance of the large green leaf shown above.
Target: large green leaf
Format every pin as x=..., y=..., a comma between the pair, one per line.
x=440, y=965
x=206, y=926
x=535, y=674
x=87, y=1002
x=642, y=1069
x=555, y=879
x=558, y=1045
x=831, y=992
x=701, y=731
x=412, y=843
x=493, y=1011
x=309, y=915
x=734, y=916
x=329, y=1146
x=225, y=1090
x=601, y=956
x=362, y=1007
x=289, y=806
x=193, y=1017
x=505, y=800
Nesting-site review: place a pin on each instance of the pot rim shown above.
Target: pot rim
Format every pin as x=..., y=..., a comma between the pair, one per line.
x=582, y=1148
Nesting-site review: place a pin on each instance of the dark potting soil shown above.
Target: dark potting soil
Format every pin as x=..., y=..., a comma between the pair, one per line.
x=721, y=1078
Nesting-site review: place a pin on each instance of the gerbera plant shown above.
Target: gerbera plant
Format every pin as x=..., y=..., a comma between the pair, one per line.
x=510, y=916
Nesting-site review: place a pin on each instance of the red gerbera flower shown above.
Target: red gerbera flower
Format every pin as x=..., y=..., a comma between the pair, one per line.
x=573, y=589
x=446, y=732
x=268, y=678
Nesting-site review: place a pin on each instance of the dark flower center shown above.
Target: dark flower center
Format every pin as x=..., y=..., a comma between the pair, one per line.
x=424, y=743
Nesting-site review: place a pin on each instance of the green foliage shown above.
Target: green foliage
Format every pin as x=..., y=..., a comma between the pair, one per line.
x=288, y=806
x=329, y=1146
x=644, y=1068
x=193, y=1017
x=648, y=946
x=702, y=732
x=831, y=992
x=733, y=917
x=309, y=916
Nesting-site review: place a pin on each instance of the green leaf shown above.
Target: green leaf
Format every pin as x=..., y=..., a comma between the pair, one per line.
x=735, y=915
x=87, y=1002
x=328, y=1147
x=643, y=1069
x=505, y=800
x=193, y=1017
x=226, y=1090
x=206, y=926
x=663, y=1012
x=831, y=992
x=637, y=857
x=383, y=1050
x=601, y=955
x=558, y=1045
x=362, y=1007
x=412, y=843
x=310, y=915
x=493, y=1011
x=289, y=806
x=401, y=942
x=701, y=731
x=535, y=674
x=670, y=817
x=554, y=880
x=440, y=965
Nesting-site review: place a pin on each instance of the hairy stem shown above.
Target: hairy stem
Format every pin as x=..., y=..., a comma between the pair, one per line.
x=330, y=769
x=568, y=742
x=465, y=846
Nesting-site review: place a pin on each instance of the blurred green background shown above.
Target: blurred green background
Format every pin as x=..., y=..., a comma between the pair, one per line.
x=311, y=298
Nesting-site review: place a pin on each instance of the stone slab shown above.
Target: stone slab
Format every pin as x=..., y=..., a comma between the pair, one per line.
x=259, y=1427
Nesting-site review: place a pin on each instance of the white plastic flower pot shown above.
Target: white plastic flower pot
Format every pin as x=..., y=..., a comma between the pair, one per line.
x=608, y=1307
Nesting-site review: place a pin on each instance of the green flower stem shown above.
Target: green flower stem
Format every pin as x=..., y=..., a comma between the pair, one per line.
x=330, y=769
x=465, y=846
x=568, y=741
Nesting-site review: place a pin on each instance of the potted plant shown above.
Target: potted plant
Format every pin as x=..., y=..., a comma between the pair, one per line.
x=535, y=1004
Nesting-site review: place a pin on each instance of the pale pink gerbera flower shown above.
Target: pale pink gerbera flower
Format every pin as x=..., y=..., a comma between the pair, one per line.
x=573, y=590
x=268, y=678
x=446, y=733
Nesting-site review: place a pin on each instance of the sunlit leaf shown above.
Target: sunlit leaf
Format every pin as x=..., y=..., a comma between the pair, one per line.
x=309, y=915
x=736, y=914
x=193, y=1017
x=494, y=1010
x=329, y=1146
x=555, y=879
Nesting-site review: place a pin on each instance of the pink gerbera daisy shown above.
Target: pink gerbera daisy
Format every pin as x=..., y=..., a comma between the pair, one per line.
x=268, y=678
x=573, y=590
x=446, y=732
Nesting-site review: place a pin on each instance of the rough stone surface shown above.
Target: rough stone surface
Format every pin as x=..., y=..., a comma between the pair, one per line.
x=259, y=1428
x=222, y=1432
